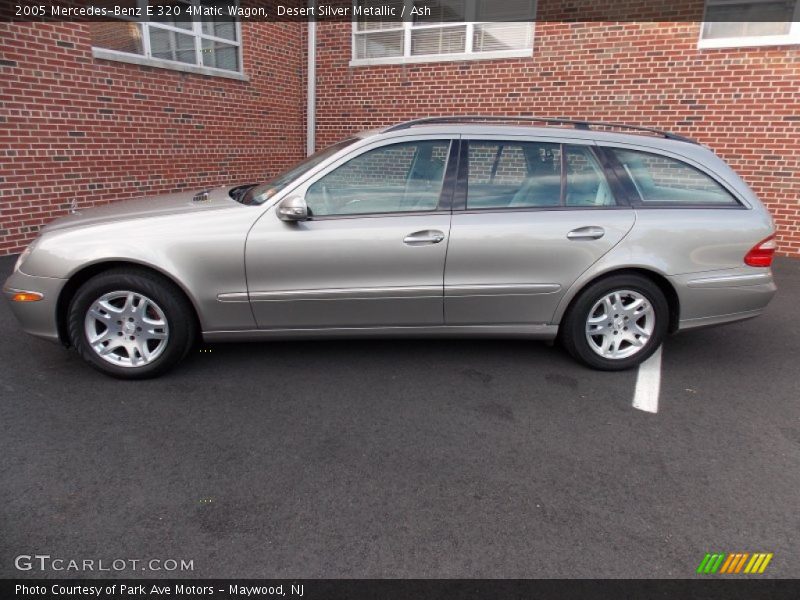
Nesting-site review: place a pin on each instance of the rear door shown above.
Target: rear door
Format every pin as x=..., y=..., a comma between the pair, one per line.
x=530, y=215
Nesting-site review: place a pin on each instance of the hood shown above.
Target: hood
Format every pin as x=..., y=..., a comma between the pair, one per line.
x=153, y=206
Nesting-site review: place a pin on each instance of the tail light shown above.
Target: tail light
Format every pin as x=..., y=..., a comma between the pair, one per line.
x=761, y=254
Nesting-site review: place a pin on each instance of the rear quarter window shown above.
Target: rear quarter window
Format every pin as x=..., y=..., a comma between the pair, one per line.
x=664, y=181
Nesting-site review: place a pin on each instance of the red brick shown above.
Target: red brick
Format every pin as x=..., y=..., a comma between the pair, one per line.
x=649, y=74
x=220, y=131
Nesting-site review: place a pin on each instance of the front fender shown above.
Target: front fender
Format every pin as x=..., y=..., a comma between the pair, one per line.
x=203, y=254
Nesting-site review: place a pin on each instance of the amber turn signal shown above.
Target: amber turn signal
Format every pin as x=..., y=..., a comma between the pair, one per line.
x=26, y=297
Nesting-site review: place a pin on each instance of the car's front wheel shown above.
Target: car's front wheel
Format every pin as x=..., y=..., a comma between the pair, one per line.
x=616, y=323
x=130, y=324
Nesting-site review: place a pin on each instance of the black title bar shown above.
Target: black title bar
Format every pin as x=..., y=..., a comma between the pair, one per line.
x=387, y=11
x=403, y=589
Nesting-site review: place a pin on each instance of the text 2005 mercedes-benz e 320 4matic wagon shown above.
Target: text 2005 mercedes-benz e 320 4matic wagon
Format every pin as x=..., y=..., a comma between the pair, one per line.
x=443, y=226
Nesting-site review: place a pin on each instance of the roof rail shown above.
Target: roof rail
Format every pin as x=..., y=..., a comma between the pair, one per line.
x=586, y=125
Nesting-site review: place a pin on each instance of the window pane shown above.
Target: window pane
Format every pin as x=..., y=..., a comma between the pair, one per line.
x=439, y=11
x=502, y=36
x=513, y=175
x=171, y=45
x=122, y=36
x=379, y=44
x=586, y=182
x=220, y=55
x=372, y=24
x=171, y=12
x=731, y=20
x=445, y=40
x=508, y=10
x=720, y=30
x=398, y=178
x=659, y=179
x=221, y=28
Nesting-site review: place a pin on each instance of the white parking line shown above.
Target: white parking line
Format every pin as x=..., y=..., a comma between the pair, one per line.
x=648, y=384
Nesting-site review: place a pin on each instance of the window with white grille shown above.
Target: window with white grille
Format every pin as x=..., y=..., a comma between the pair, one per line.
x=774, y=22
x=444, y=30
x=173, y=36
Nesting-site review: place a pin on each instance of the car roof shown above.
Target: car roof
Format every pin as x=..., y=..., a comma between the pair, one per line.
x=650, y=138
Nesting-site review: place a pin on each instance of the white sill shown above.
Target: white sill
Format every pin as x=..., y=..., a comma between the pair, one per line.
x=408, y=60
x=748, y=42
x=135, y=59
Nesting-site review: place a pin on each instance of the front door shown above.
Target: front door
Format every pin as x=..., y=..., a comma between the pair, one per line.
x=371, y=255
x=533, y=216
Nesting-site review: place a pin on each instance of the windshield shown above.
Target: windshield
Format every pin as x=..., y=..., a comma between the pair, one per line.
x=264, y=191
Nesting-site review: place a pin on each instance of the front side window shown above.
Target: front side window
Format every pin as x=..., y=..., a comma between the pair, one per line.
x=663, y=181
x=259, y=194
x=405, y=177
x=444, y=29
x=731, y=23
x=507, y=174
x=174, y=35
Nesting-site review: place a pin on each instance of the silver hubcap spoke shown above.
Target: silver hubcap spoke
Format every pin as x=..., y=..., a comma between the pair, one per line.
x=620, y=324
x=126, y=329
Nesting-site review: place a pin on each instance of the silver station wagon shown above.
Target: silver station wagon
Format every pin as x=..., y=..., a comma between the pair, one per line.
x=446, y=226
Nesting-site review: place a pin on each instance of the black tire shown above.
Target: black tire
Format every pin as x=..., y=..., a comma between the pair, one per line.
x=178, y=312
x=573, y=328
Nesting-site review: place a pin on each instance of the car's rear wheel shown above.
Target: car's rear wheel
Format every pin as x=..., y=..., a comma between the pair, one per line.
x=131, y=324
x=616, y=323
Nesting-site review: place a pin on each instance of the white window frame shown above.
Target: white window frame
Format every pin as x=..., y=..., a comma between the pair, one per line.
x=793, y=37
x=407, y=26
x=196, y=32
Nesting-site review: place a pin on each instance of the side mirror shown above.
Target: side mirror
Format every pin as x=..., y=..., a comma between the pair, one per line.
x=293, y=208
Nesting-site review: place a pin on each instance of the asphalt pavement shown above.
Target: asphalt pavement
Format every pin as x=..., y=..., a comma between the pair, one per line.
x=407, y=458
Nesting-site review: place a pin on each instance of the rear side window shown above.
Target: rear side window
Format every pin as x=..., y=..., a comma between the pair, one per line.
x=510, y=174
x=660, y=180
x=513, y=175
x=585, y=182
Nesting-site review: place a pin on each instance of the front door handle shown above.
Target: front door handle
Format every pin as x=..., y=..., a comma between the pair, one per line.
x=591, y=232
x=422, y=238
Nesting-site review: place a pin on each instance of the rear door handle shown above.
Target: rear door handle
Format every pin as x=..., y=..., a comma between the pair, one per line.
x=591, y=232
x=422, y=238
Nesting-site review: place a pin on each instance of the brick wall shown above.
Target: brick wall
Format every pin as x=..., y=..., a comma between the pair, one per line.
x=741, y=102
x=75, y=127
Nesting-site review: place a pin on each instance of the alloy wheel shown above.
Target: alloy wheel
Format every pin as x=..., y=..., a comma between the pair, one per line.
x=620, y=324
x=126, y=328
